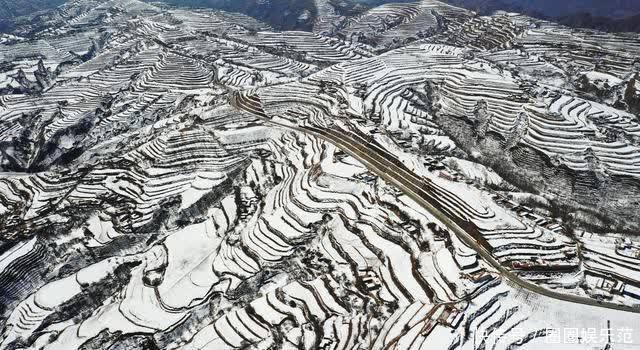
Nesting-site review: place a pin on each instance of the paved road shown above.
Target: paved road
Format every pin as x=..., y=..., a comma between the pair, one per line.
x=412, y=185
x=387, y=166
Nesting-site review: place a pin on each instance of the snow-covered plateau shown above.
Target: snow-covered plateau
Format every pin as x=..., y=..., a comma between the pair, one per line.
x=407, y=176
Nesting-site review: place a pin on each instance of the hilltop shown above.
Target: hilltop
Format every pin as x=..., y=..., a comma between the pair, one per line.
x=405, y=176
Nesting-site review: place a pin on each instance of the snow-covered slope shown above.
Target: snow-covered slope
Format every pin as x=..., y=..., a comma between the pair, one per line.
x=163, y=184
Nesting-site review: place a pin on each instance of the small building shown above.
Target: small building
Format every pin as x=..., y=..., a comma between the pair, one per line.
x=555, y=227
x=450, y=317
x=370, y=279
x=480, y=277
x=611, y=286
x=537, y=219
x=447, y=176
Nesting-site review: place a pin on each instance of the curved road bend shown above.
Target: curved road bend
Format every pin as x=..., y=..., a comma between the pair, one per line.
x=378, y=161
x=411, y=186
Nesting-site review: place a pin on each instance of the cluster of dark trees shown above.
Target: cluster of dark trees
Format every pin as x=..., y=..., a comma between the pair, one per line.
x=12, y=9
x=610, y=15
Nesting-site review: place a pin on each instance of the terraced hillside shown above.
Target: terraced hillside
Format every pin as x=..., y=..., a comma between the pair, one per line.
x=415, y=176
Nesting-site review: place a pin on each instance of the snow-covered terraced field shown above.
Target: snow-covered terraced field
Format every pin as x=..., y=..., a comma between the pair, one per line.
x=175, y=178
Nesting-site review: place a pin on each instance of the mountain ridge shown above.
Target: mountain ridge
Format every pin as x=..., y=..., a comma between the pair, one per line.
x=614, y=16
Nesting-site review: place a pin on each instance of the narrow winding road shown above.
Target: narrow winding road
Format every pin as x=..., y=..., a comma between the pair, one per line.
x=387, y=166
x=412, y=185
